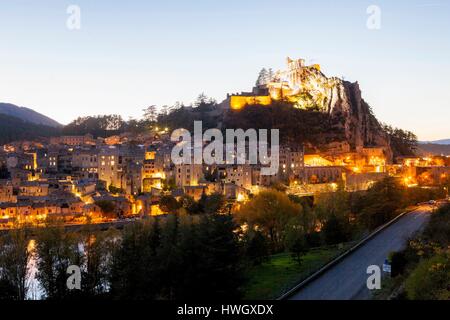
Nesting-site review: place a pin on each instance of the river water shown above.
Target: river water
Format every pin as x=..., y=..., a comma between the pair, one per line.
x=35, y=291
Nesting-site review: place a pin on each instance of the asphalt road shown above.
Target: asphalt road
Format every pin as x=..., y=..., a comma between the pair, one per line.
x=347, y=279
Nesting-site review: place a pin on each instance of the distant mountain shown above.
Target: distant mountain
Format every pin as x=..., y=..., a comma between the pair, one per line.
x=15, y=129
x=441, y=142
x=434, y=148
x=28, y=115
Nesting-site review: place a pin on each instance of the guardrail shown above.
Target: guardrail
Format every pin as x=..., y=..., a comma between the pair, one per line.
x=338, y=259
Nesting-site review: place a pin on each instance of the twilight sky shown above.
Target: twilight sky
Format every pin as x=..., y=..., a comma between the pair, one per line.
x=132, y=54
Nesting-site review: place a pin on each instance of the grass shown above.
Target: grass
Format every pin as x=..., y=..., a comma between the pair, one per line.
x=391, y=289
x=281, y=273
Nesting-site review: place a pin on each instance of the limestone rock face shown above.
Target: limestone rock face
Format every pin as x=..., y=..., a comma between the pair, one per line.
x=352, y=125
x=348, y=112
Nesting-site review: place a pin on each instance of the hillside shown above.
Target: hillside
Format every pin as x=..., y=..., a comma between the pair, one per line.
x=324, y=112
x=27, y=114
x=433, y=148
x=441, y=142
x=13, y=129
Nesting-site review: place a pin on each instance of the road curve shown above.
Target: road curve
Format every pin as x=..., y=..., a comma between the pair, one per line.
x=347, y=279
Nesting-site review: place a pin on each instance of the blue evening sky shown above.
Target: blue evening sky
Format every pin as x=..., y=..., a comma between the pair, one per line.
x=131, y=54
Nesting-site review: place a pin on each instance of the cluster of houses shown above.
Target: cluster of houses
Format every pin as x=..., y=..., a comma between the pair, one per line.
x=80, y=178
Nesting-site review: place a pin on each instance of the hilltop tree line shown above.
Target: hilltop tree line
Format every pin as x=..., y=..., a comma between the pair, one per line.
x=265, y=76
x=176, y=116
x=13, y=129
x=403, y=143
x=296, y=126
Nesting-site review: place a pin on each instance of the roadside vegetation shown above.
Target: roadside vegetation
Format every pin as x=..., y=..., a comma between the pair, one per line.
x=281, y=273
x=422, y=270
x=289, y=237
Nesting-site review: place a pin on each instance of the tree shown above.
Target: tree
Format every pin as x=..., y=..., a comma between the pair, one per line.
x=430, y=280
x=256, y=247
x=4, y=173
x=108, y=207
x=380, y=202
x=99, y=126
x=295, y=241
x=335, y=230
x=438, y=229
x=263, y=77
x=14, y=263
x=269, y=211
x=133, y=126
x=97, y=261
x=201, y=99
x=398, y=263
x=169, y=184
x=7, y=290
x=297, y=126
x=219, y=269
x=190, y=205
x=140, y=279
x=329, y=204
x=179, y=258
x=115, y=190
x=404, y=143
x=307, y=218
x=270, y=75
x=168, y=204
x=165, y=109
x=168, y=260
x=15, y=129
x=56, y=251
x=212, y=204
x=150, y=114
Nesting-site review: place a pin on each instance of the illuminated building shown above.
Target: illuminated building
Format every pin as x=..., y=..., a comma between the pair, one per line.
x=286, y=84
x=33, y=189
x=316, y=160
x=240, y=175
x=188, y=174
x=87, y=139
x=7, y=191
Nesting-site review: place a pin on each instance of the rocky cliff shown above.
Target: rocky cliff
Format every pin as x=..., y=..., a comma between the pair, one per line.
x=348, y=112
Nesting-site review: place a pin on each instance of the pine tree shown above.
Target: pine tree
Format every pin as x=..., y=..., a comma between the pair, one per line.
x=270, y=75
x=56, y=251
x=14, y=262
x=262, y=77
x=133, y=273
x=150, y=113
x=169, y=264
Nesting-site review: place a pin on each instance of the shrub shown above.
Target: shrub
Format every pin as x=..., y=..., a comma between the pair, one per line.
x=430, y=280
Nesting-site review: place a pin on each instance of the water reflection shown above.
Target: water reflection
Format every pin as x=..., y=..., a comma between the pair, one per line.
x=35, y=291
